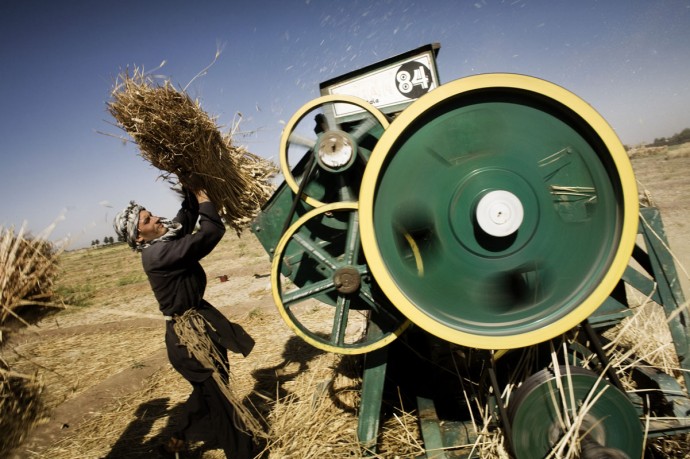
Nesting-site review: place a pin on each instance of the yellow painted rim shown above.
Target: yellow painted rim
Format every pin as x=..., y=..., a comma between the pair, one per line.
x=628, y=231
x=277, y=298
x=297, y=117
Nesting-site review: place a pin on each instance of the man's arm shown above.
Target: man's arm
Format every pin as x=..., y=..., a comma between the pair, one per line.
x=188, y=214
x=193, y=247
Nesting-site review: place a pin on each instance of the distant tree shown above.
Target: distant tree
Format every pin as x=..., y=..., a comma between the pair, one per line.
x=676, y=139
x=682, y=137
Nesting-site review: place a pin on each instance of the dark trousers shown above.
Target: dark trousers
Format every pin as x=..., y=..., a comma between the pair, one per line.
x=208, y=408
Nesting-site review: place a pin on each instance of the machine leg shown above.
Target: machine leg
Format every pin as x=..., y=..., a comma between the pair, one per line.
x=373, y=380
x=429, y=423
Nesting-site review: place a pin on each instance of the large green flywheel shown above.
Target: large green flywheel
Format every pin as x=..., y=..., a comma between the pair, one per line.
x=498, y=211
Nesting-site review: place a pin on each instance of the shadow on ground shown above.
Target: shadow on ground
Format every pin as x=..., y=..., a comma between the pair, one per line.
x=134, y=442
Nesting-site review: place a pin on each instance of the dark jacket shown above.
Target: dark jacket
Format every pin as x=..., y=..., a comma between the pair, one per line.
x=177, y=279
x=178, y=282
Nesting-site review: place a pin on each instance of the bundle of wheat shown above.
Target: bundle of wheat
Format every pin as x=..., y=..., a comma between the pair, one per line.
x=176, y=136
x=28, y=267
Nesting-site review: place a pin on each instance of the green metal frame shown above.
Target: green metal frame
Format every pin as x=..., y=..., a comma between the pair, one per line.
x=659, y=282
x=669, y=290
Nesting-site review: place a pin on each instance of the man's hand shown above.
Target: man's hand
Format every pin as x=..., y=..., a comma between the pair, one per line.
x=191, y=181
x=201, y=196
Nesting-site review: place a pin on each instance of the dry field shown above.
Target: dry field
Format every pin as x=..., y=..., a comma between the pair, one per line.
x=110, y=392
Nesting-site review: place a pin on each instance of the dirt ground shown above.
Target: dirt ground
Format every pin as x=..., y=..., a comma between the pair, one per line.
x=112, y=348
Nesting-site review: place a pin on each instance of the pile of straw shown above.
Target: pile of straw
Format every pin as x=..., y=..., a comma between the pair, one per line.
x=176, y=136
x=319, y=417
x=20, y=405
x=28, y=267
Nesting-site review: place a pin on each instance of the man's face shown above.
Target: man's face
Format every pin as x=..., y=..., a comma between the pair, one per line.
x=150, y=227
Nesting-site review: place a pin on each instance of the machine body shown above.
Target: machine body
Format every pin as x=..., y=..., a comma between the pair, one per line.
x=491, y=225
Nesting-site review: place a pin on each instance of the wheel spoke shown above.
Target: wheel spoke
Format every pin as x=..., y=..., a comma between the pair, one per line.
x=376, y=307
x=320, y=255
x=346, y=192
x=352, y=244
x=342, y=309
x=309, y=291
x=301, y=140
x=363, y=127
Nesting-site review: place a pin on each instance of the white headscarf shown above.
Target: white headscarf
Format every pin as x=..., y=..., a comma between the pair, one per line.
x=126, y=224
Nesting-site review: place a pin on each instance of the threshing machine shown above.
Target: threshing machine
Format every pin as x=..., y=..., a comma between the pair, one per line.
x=478, y=241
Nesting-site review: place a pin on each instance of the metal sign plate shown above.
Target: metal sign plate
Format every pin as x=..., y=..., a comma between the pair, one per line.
x=390, y=85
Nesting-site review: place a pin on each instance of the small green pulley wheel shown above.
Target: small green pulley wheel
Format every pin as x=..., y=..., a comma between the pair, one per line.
x=498, y=211
x=322, y=286
x=575, y=409
x=328, y=141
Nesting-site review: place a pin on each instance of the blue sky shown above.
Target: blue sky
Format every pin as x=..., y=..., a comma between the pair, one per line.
x=629, y=59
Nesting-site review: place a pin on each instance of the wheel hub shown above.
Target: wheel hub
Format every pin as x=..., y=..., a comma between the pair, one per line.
x=499, y=213
x=494, y=212
x=347, y=279
x=336, y=150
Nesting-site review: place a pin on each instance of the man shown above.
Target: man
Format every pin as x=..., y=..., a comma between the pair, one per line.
x=170, y=256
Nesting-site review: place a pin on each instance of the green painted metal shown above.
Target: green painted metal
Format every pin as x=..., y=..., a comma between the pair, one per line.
x=275, y=216
x=459, y=437
x=269, y=225
x=539, y=407
x=314, y=254
x=431, y=431
x=373, y=379
x=489, y=285
x=668, y=285
x=610, y=313
x=642, y=283
x=655, y=276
